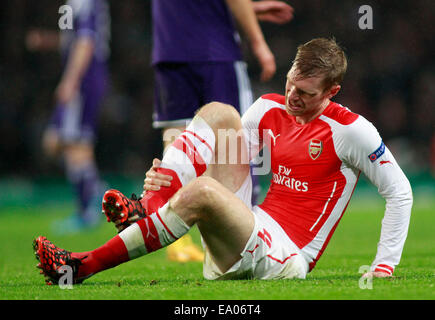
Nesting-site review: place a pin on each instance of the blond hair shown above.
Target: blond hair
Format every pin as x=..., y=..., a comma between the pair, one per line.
x=321, y=57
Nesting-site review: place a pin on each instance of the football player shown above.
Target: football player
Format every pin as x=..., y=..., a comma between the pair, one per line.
x=72, y=128
x=318, y=150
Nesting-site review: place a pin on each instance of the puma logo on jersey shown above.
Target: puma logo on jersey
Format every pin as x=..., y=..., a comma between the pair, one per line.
x=273, y=136
x=384, y=162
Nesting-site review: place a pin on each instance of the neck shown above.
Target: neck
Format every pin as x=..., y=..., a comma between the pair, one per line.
x=310, y=117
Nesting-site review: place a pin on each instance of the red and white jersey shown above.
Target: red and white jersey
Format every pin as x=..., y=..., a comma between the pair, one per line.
x=315, y=168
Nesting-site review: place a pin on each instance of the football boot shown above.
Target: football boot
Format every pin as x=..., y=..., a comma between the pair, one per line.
x=122, y=210
x=52, y=258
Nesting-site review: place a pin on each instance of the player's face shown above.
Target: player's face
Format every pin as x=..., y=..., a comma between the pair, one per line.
x=306, y=98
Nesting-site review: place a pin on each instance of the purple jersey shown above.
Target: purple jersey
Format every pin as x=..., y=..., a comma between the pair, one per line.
x=193, y=31
x=91, y=19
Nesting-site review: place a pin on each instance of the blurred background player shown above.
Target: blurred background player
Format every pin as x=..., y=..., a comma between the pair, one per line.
x=72, y=128
x=197, y=59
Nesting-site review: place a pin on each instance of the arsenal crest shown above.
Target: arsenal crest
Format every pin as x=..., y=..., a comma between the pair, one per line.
x=315, y=148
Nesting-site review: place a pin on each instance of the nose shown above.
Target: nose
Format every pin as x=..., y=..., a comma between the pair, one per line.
x=292, y=94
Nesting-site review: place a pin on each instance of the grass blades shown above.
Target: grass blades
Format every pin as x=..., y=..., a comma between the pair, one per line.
x=153, y=277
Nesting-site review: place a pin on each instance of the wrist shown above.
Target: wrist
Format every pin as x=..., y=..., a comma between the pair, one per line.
x=257, y=41
x=71, y=80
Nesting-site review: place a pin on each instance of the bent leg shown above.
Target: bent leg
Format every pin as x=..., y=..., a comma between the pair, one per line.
x=183, y=249
x=225, y=222
x=213, y=144
x=231, y=164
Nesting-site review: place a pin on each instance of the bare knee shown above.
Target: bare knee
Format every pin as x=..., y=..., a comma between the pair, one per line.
x=193, y=202
x=220, y=115
x=196, y=195
x=78, y=155
x=51, y=143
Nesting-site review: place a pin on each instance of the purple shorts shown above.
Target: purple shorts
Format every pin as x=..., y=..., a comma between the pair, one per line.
x=76, y=121
x=182, y=88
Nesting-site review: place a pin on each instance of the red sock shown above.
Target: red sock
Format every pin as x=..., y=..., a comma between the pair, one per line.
x=186, y=159
x=153, y=232
x=109, y=255
x=153, y=200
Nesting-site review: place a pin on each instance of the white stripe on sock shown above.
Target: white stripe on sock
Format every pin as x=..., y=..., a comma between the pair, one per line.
x=173, y=222
x=178, y=161
x=133, y=240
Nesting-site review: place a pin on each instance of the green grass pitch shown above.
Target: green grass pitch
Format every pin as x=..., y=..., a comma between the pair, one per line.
x=153, y=277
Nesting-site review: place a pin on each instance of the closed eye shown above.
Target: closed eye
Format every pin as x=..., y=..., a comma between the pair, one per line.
x=301, y=92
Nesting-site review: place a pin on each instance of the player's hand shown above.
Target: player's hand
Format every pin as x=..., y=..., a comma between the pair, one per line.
x=34, y=40
x=377, y=274
x=154, y=180
x=277, y=12
x=41, y=40
x=266, y=59
x=66, y=91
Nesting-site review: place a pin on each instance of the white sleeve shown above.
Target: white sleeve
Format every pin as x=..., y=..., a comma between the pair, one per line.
x=367, y=152
x=251, y=122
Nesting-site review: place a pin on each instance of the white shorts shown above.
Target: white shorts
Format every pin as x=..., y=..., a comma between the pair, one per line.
x=268, y=254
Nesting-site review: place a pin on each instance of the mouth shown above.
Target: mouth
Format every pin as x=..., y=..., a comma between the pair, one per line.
x=293, y=108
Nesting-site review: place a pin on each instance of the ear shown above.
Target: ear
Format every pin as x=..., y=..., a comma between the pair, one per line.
x=333, y=91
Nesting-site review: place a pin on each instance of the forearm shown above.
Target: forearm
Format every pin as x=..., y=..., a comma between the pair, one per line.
x=243, y=12
x=79, y=60
x=362, y=148
x=395, y=188
x=42, y=40
x=394, y=228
